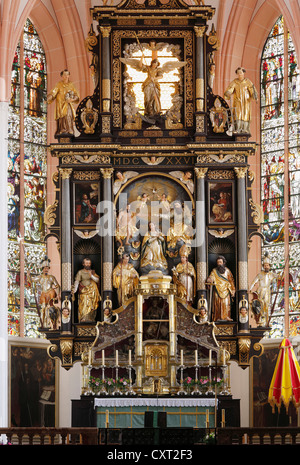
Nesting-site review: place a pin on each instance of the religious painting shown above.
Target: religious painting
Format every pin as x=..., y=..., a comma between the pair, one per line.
x=262, y=370
x=220, y=196
x=86, y=198
x=33, y=386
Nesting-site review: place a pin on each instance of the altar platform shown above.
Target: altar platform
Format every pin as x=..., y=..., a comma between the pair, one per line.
x=168, y=412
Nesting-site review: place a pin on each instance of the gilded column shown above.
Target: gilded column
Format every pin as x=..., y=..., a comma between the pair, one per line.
x=107, y=234
x=242, y=246
x=66, y=235
x=201, y=246
x=106, y=79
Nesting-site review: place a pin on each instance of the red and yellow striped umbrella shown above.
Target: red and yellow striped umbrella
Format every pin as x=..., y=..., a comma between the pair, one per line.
x=285, y=384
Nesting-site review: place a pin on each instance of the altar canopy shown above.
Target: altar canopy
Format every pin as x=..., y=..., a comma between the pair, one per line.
x=285, y=384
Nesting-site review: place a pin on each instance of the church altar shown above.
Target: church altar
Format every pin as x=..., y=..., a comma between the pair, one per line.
x=180, y=412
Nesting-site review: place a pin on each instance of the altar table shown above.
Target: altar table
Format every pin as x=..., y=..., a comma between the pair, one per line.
x=130, y=412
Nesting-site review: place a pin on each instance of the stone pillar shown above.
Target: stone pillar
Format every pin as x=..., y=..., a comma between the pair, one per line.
x=3, y=274
x=242, y=247
x=66, y=233
x=108, y=238
x=201, y=246
x=200, y=68
x=106, y=80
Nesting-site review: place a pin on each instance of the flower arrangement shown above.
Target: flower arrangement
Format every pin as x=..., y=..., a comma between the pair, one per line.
x=110, y=383
x=209, y=438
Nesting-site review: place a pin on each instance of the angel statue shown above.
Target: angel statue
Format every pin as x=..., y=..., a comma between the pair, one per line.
x=151, y=87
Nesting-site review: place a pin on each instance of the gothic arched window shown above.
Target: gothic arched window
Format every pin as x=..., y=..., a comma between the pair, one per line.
x=27, y=170
x=280, y=175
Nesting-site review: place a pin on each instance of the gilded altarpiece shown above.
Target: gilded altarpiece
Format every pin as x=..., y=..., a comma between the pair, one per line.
x=154, y=189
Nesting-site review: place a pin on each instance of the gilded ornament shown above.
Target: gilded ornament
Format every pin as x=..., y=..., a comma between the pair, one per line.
x=50, y=216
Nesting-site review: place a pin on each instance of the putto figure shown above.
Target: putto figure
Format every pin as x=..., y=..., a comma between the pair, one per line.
x=65, y=96
x=222, y=281
x=243, y=92
x=86, y=283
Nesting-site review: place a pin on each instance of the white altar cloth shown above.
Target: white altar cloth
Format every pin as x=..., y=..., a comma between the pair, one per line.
x=154, y=402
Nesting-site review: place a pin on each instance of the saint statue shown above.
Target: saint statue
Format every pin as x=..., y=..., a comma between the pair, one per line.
x=86, y=283
x=151, y=87
x=222, y=280
x=153, y=250
x=126, y=225
x=264, y=280
x=49, y=296
x=125, y=278
x=243, y=92
x=65, y=95
x=184, y=276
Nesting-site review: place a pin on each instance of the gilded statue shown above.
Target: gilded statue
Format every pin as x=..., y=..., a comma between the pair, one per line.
x=222, y=281
x=264, y=281
x=151, y=87
x=153, y=253
x=184, y=276
x=126, y=225
x=49, y=296
x=125, y=278
x=243, y=92
x=86, y=283
x=65, y=95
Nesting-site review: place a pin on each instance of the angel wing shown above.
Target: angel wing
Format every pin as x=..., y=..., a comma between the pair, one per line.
x=130, y=174
x=171, y=65
x=133, y=62
x=220, y=160
x=221, y=232
x=177, y=174
x=85, y=234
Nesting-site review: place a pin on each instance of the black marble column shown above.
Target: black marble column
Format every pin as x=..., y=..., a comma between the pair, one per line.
x=200, y=242
x=242, y=247
x=200, y=80
x=106, y=79
x=108, y=237
x=66, y=236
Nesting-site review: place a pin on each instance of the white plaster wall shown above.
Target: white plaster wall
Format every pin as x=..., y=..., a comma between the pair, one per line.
x=240, y=389
x=69, y=388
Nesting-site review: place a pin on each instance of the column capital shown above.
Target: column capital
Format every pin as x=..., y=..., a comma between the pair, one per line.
x=200, y=172
x=105, y=31
x=240, y=171
x=65, y=172
x=107, y=172
x=200, y=30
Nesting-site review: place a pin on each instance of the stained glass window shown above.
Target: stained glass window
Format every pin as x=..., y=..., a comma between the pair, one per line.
x=27, y=165
x=274, y=143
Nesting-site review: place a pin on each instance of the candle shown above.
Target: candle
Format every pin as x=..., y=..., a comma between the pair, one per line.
x=224, y=357
x=210, y=357
x=196, y=357
x=181, y=357
x=90, y=357
x=207, y=418
x=223, y=417
x=129, y=358
x=117, y=358
x=103, y=359
x=107, y=417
